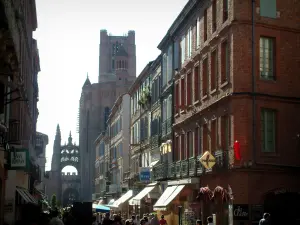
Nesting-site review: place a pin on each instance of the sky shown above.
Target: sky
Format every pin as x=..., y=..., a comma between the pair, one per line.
x=68, y=37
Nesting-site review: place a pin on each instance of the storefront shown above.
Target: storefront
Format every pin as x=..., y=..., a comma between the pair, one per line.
x=144, y=200
x=121, y=205
x=178, y=201
x=241, y=196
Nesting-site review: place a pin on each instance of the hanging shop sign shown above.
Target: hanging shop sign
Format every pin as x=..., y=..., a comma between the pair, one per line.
x=208, y=160
x=18, y=159
x=241, y=212
x=144, y=174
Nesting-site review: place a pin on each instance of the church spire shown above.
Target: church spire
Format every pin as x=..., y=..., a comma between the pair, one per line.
x=57, y=131
x=87, y=81
x=70, y=139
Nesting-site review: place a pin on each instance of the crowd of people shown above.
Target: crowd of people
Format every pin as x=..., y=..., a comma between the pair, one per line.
x=116, y=219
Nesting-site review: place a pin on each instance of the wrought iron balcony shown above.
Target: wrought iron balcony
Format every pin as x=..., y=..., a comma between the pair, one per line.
x=155, y=141
x=189, y=167
x=160, y=172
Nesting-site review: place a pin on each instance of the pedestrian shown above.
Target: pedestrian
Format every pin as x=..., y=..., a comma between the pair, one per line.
x=265, y=220
x=154, y=220
x=210, y=220
x=199, y=222
x=162, y=220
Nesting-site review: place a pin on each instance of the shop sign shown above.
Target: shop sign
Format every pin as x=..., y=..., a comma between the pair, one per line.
x=18, y=159
x=145, y=174
x=208, y=160
x=241, y=212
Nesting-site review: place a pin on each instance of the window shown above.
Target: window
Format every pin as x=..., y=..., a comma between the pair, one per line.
x=189, y=42
x=113, y=64
x=225, y=10
x=164, y=107
x=214, y=15
x=182, y=94
x=197, y=33
x=205, y=25
x=182, y=48
x=182, y=147
x=165, y=69
x=266, y=58
x=169, y=107
x=214, y=135
x=177, y=148
x=196, y=84
x=106, y=115
x=176, y=97
x=268, y=8
x=268, y=130
x=197, y=141
x=205, y=138
x=225, y=62
x=204, y=77
x=225, y=132
x=170, y=63
x=190, y=144
x=214, y=70
x=189, y=89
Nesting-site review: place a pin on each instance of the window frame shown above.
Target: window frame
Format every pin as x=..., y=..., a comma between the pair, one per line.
x=271, y=53
x=264, y=127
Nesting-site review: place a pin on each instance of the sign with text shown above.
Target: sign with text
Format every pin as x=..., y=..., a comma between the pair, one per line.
x=241, y=212
x=145, y=174
x=18, y=159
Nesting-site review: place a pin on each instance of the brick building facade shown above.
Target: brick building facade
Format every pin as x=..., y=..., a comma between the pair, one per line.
x=220, y=100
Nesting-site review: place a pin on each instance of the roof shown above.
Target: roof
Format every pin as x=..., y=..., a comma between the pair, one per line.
x=87, y=81
x=140, y=78
x=185, y=12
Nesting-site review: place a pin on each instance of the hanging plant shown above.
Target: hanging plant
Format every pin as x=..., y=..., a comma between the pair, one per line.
x=145, y=97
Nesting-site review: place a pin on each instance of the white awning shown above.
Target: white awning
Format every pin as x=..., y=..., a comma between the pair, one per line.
x=169, y=194
x=164, y=197
x=137, y=199
x=26, y=196
x=122, y=199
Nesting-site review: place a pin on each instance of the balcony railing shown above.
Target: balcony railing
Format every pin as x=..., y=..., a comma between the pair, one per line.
x=189, y=167
x=154, y=141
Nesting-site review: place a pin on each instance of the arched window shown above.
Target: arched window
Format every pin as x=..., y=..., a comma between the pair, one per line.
x=106, y=114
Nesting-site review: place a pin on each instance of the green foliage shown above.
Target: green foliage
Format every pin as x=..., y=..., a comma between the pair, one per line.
x=145, y=96
x=53, y=201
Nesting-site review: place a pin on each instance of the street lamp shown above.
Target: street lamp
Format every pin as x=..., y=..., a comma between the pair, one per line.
x=179, y=214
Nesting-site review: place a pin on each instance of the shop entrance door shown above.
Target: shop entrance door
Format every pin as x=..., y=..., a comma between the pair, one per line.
x=283, y=207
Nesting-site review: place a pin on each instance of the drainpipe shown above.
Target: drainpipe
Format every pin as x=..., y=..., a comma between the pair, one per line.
x=253, y=87
x=173, y=98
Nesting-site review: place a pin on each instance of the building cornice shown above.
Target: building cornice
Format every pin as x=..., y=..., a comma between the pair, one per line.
x=176, y=24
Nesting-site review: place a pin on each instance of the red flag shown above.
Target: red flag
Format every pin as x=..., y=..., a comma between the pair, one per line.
x=237, y=150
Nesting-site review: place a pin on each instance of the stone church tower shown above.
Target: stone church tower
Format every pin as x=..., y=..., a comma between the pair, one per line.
x=117, y=72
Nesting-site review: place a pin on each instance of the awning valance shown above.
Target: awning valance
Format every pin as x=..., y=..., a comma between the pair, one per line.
x=169, y=194
x=137, y=199
x=122, y=199
x=26, y=196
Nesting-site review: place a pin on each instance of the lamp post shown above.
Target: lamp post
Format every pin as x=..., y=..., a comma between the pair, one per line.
x=179, y=214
